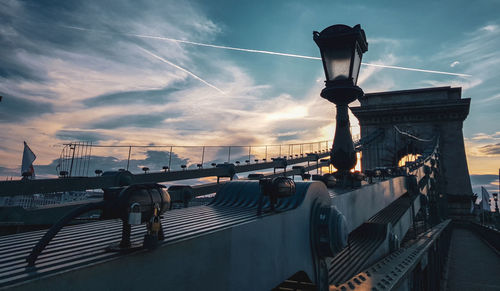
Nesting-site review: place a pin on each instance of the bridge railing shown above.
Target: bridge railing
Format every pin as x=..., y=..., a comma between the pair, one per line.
x=417, y=266
x=122, y=177
x=82, y=159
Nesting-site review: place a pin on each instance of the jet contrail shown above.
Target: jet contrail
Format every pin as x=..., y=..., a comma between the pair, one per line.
x=289, y=55
x=181, y=68
x=416, y=70
x=270, y=52
x=223, y=47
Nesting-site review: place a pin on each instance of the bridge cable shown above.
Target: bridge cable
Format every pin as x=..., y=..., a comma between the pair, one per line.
x=411, y=135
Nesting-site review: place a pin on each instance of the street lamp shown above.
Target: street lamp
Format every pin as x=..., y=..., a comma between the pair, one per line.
x=495, y=197
x=342, y=49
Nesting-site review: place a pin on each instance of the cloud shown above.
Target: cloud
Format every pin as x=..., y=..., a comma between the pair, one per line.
x=152, y=96
x=18, y=109
x=154, y=160
x=489, y=28
x=479, y=57
x=490, y=182
x=491, y=149
x=81, y=135
x=9, y=172
x=92, y=82
x=153, y=120
x=370, y=79
x=489, y=99
x=60, y=82
x=484, y=136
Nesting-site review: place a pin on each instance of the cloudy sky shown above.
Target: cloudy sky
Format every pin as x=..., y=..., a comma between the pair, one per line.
x=108, y=71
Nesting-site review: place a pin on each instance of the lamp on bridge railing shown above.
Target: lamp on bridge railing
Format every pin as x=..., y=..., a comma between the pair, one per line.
x=342, y=49
x=495, y=197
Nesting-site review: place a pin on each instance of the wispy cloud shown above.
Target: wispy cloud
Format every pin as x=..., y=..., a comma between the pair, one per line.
x=490, y=182
x=490, y=28
x=182, y=69
x=478, y=55
x=69, y=72
x=491, y=149
x=489, y=99
x=94, y=84
x=484, y=136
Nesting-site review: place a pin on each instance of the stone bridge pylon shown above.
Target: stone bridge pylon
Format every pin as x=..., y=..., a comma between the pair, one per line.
x=409, y=123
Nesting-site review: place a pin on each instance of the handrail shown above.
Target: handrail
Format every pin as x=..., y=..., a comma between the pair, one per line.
x=26, y=187
x=389, y=272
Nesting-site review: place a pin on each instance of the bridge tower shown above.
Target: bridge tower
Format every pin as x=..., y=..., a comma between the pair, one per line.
x=408, y=123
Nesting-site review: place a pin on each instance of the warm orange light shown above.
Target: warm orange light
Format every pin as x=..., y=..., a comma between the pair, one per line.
x=407, y=158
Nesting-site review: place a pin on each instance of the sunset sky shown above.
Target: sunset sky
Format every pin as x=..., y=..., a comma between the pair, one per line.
x=106, y=71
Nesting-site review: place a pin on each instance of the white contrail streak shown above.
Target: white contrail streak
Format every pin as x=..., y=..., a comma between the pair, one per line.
x=181, y=68
x=271, y=53
x=224, y=47
x=289, y=55
x=416, y=70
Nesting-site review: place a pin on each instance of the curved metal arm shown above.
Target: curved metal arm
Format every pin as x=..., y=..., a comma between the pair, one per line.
x=51, y=233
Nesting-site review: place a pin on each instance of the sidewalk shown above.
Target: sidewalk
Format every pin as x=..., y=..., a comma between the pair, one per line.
x=473, y=265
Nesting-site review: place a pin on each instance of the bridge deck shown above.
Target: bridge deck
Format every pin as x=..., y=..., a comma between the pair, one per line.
x=473, y=265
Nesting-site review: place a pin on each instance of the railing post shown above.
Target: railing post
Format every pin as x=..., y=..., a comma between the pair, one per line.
x=170, y=159
x=280, y=151
x=128, y=159
x=90, y=155
x=229, y=154
x=77, y=150
x=72, y=159
x=249, y=150
x=202, y=156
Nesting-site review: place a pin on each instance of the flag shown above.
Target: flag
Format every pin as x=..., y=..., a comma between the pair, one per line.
x=485, y=199
x=28, y=159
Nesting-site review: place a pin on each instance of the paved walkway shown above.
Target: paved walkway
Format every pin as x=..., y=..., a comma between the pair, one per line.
x=473, y=265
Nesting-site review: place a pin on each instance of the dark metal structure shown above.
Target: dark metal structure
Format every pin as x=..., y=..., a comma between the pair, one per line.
x=387, y=229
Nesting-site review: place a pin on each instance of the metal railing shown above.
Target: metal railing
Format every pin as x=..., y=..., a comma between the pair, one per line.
x=418, y=266
x=121, y=178
x=77, y=158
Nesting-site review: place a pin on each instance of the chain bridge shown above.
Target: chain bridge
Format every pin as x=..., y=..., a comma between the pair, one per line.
x=390, y=229
x=402, y=222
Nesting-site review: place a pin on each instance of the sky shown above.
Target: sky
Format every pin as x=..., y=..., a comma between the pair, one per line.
x=108, y=72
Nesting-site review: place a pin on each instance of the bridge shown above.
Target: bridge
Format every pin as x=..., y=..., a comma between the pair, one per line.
x=396, y=228
x=402, y=223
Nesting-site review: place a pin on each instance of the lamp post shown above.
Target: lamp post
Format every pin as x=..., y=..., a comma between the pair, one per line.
x=495, y=197
x=342, y=49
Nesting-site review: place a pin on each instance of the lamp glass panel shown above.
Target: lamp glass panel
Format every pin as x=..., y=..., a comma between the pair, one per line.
x=337, y=63
x=355, y=66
